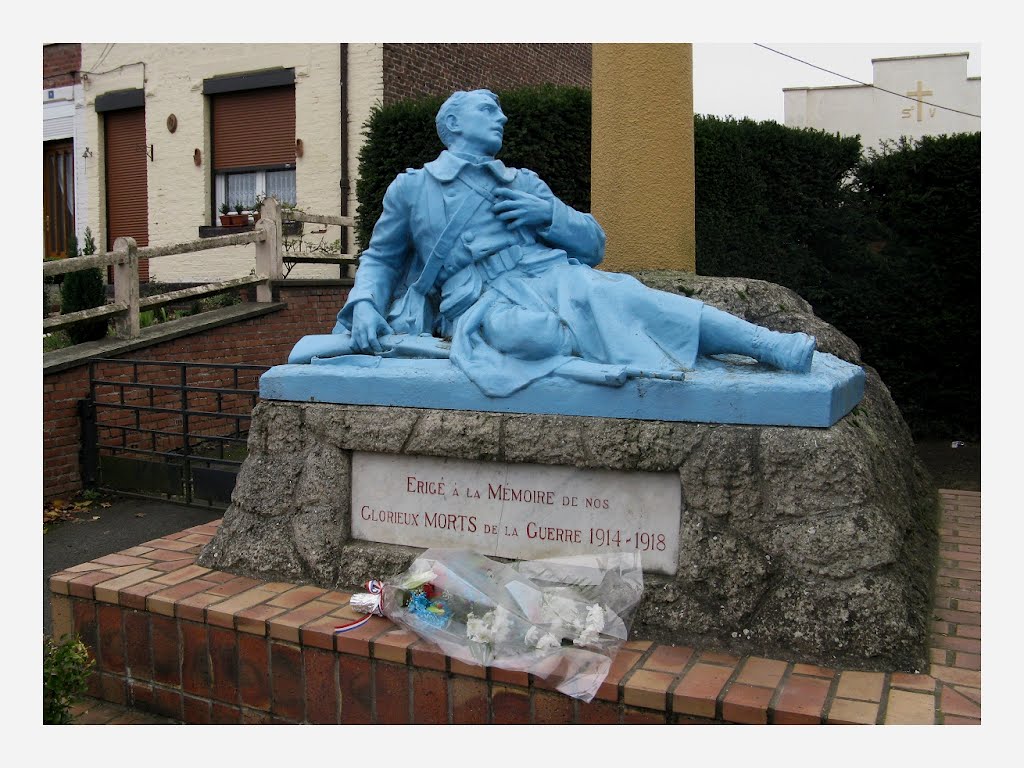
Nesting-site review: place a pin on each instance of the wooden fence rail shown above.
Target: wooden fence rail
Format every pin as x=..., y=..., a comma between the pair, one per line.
x=127, y=304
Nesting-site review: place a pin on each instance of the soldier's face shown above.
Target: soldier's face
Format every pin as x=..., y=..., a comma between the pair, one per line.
x=480, y=124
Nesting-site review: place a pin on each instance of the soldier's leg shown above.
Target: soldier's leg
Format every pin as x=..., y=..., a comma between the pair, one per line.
x=724, y=333
x=526, y=333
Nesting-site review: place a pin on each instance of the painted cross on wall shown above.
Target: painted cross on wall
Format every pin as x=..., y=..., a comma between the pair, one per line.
x=919, y=93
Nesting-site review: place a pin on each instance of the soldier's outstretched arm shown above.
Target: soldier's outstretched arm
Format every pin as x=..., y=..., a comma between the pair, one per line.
x=384, y=260
x=368, y=325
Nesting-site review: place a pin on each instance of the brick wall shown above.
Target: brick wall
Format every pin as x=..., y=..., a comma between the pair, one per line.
x=61, y=62
x=264, y=340
x=200, y=672
x=413, y=70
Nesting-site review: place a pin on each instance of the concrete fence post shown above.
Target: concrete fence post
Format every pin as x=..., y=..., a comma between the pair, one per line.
x=268, y=251
x=126, y=288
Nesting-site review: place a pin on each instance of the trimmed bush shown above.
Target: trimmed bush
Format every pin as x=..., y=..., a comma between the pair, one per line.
x=926, y=194
x=770, y=200
x=886, y=247
x=84, y=289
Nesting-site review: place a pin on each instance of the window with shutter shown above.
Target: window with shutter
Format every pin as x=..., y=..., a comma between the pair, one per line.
x=253, y=145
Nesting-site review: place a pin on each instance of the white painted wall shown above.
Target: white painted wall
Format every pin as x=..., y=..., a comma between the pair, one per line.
x=179, y=192
x=877, y=115
x=366, y=89
x=58, y=113
x=838, y=109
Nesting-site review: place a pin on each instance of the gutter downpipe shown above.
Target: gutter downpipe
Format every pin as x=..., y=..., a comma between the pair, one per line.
x=344, y=147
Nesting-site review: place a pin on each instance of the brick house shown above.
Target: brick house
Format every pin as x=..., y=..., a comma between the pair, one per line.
x=151, y=139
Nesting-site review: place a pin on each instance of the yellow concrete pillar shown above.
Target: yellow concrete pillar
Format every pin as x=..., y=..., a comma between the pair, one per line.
x=642, y=167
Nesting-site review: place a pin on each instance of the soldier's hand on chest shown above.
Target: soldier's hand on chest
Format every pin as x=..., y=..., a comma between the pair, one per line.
x=522, y=209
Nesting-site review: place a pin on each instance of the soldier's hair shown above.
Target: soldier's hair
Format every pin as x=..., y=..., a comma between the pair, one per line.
x=451, y=104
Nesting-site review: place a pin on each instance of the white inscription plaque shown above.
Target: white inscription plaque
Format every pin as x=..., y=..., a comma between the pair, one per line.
x=521, y=511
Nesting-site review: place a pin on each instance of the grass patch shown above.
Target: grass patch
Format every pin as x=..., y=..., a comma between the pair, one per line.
x=61, y=338
x=56, y=340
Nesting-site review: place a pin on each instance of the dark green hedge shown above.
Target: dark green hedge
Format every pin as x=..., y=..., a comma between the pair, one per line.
x=768, y=199
x=927, y=340
x=548, y=131
x=885, y=247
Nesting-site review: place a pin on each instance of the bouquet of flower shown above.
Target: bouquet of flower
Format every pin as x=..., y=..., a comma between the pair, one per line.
x=560, y=618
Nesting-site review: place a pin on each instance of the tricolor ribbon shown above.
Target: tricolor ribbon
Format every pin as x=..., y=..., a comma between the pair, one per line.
x=376, y=590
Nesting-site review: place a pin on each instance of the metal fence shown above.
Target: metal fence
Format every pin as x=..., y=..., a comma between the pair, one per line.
x=169, y=430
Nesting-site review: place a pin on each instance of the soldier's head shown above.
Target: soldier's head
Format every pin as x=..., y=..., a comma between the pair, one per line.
x=471, y=121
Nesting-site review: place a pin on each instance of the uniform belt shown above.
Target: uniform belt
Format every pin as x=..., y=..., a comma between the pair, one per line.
x=499, y=263
x=490, y=267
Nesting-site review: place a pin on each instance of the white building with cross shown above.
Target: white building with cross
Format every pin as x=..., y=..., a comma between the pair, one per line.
x=911, y=96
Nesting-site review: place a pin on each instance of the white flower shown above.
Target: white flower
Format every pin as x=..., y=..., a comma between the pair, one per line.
x=479, y=630
x=594, y=625
x=493, y=627
x=502, y=623
x=560, y=614
x=540, y=640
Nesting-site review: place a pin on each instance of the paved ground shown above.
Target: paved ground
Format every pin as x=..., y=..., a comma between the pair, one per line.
x=948, y=692
x=90, y=711
x=126, y=523
x=954, y=464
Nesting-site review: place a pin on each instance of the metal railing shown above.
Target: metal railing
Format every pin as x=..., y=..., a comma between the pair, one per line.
x=162, y=434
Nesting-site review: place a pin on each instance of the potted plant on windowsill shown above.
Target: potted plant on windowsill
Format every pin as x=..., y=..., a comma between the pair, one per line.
x=257, y=206
x=228, y=219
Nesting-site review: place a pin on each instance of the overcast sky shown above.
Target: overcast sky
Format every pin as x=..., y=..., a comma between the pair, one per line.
x=745, y=80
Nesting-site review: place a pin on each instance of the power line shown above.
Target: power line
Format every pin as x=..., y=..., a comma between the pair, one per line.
x=103, y=54
x=868, y=85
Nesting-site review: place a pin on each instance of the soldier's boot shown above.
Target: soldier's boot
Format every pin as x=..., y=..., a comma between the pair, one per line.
x=724, y=333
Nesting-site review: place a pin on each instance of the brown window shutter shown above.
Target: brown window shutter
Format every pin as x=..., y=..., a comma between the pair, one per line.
x=254, y=128
x=126, y=158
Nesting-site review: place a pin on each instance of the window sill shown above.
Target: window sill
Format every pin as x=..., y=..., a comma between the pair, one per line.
x=288, y=228
x=217, y=231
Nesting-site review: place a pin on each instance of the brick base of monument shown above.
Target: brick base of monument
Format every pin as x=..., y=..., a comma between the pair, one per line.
x=204, y=646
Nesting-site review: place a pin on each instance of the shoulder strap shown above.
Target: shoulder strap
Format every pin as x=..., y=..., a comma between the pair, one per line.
x=483, y=191
x=444, y=243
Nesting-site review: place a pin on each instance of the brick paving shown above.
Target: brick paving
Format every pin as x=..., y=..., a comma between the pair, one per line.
x=90, y=711
x=225, y=622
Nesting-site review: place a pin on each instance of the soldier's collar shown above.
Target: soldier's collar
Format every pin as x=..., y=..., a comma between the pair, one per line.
x=447, y=167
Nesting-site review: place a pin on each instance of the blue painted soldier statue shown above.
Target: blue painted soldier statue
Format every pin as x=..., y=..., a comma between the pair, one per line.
x=470, y=250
